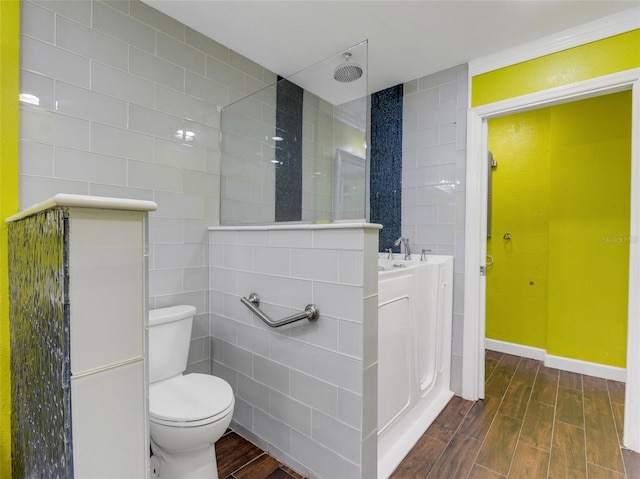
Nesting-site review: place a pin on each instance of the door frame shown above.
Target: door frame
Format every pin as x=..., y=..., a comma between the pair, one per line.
x=476, y=232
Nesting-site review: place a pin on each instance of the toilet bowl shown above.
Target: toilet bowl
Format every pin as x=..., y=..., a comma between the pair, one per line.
x=188, y=413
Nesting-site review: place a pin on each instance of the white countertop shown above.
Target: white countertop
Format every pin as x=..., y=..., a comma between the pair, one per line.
x=83, y=201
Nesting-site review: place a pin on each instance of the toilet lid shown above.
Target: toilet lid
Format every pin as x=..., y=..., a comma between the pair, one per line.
x=191, y=397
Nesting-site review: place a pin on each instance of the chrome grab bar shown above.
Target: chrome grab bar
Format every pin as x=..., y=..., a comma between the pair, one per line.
x=311, y=312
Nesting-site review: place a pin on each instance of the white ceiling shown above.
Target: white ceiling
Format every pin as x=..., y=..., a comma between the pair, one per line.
x=406, y=39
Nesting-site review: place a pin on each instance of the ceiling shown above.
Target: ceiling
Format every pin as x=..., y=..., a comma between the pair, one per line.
x=406, y=39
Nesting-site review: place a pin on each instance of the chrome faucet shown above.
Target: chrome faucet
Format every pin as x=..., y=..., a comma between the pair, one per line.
x=407, y=249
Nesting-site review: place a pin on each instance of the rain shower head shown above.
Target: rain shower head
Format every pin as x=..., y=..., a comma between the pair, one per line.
x=348, y=71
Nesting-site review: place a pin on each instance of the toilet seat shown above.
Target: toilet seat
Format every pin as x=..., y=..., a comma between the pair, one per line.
x=190, y=400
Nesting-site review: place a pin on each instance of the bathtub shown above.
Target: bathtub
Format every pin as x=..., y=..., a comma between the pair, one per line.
x=415, y=305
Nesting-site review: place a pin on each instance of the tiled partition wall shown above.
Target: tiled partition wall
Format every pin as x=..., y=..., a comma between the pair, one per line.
x=306, y=392
x=433, y=179
x=117, y=81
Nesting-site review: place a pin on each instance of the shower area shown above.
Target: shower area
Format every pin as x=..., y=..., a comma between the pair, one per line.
x=293, y=204
x=295, y=198
x=296, y=150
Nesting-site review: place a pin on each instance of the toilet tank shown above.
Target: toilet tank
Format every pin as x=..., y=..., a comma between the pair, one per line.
x=169, y=338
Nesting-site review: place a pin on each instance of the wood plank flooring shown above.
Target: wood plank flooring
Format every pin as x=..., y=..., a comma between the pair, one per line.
x=240, y=459
x=534, y=423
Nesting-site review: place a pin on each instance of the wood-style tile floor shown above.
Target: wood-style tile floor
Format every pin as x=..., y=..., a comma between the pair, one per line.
x=240, y=459
x=535, y=422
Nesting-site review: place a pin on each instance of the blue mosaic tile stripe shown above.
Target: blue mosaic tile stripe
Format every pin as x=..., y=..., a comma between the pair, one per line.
x=40, y=365
x=289, y=151
x=386, y=164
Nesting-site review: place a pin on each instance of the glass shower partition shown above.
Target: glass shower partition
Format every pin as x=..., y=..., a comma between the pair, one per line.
x=296, y=150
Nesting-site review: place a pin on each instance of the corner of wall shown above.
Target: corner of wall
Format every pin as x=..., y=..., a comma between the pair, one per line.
x=9, y=64
x=433, y=184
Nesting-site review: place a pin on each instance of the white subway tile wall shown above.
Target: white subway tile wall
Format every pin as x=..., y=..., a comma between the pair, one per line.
x=433, y=179
x=299, y=388
x=117, y=81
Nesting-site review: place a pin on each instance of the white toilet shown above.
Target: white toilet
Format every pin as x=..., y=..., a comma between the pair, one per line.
x=188, y=413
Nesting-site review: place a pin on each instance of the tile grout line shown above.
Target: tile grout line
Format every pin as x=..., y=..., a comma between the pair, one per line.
x=494, y=417
x=584, y=418
x=553, y=425
x=522, y=422
x=448, y=442
x=522, y=425
x=247, y=463
x=492, y=421
x=615, y=425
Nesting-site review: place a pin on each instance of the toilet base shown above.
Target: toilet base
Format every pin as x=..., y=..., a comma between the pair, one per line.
x=189, y=465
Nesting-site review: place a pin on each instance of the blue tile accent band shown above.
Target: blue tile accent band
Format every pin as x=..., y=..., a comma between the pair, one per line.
x=41, y=443
x=288, y=151
x=386, y=164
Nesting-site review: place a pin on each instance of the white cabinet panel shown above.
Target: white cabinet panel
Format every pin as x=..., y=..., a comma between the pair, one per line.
x=106, y=290
x=109, y=437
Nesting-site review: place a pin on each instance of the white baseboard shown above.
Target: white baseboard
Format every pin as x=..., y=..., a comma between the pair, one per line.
x=584, y=367
x=515, y=349
x=558, y=362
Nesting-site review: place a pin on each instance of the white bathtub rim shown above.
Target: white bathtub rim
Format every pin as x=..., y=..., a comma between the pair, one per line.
x=399, y=264
x=415, y=259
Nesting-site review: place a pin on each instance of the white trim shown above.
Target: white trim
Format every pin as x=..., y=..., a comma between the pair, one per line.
x=575, y=91
x=515, y=349
x=474, y=310
x=605, y=27
x=558, y=362
x=632, y=393
x=472, y=389
x=475, y=221
x=584, y=367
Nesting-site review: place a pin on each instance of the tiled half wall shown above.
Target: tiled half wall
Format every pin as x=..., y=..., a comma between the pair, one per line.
x=306, y=392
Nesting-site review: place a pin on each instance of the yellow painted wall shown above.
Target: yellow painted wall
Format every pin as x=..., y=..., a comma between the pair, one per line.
x=517, y=309
x=591, y=60
x=589, y=229
x=562, y=189
x=9, y=81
